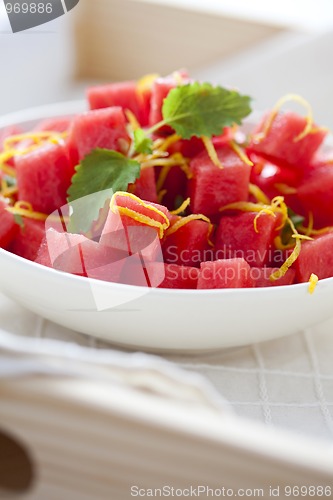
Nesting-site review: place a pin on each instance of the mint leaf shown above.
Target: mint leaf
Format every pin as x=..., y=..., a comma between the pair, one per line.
x=199, y=109
x=142, y=143
x=19, y=220
x=100, y=174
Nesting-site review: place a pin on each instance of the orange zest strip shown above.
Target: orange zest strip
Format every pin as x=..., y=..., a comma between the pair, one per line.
x=182, y=207
x=8, y=192
x=132, y=119
x=310, y=231
x=258, y=194
x=164, y=144
x=271, y=117
x=161, y=194
x=25, y=209
x=294, y=254
x=10, y=150
x=185, y=220
x=211, y=151
x=36, y=137
x=144, y=219
x=162, y=177
x=186, y=169
x=145, y=83
x=317, y=232
x=174, y=160
x=241, y=153
x=263, y=211
x=313, y=283
x=6, y=169
x=285, y=189
x=288, y=263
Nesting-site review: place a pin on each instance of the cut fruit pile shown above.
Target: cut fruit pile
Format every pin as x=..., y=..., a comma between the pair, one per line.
x=157, y=186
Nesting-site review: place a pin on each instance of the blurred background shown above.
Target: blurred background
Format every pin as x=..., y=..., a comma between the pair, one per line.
x=266, y=49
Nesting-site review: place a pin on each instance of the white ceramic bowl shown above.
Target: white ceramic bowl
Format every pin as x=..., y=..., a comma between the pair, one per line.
x=158, y=319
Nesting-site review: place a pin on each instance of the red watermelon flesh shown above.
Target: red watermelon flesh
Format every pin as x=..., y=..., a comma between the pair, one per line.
x=225, y=273
x=160, y=90
x=123, y=94
x=44, y=176
x=139, y=271
x=28, y=239
x=236, y=237
x=180, y=277
x=131, y=234
x=274, y=179
x=192, y=147
x=101, y=261
x=212, y=187
x=260, y=276
x=100, y=128
x=269, y=175
x=315, y=193
x=61, y=124
x=61, y=251
x=188, y=245
x=316, y=257
x=175, y=185
x=75, y=254
x=8, y=227
x=279, y=142
x=145, y=186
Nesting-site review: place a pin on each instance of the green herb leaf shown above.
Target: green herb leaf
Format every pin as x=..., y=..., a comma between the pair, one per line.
x=142, y=143
x=199, y=109
x=19, y=220
x=100, y=174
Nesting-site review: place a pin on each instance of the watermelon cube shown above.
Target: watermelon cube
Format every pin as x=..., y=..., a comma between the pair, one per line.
x=271, y=177
x=76, y=254
x=212, y=187
x=279, y=142
x=316, y=257
x=61, y=124
x=141, y=271
x=181, y=277
x=145, y=186
x=100, y=128
x=188, y=245
x=28, y=239
x=236, y=237
x=261, y=275
x=8, y=227
x=225, y=273
x=315, y=193
x=135, y=225
x=61, y=251
x=160, y=90
x=123, y=94
x=101, y=261
x=44, y=176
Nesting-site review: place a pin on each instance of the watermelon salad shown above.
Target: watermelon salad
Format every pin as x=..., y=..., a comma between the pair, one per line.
x=157, y=185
